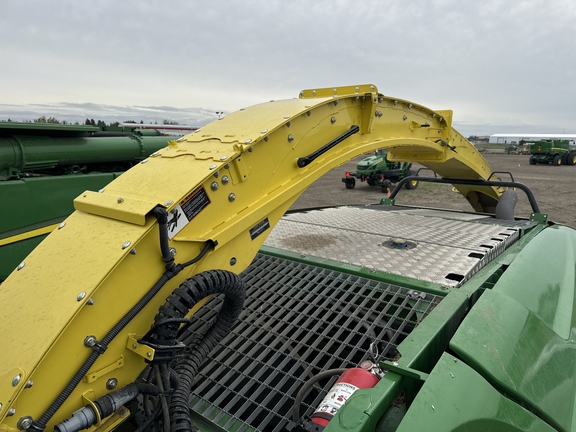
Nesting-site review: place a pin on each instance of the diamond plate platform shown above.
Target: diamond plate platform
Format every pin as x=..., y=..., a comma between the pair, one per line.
x=445, y=249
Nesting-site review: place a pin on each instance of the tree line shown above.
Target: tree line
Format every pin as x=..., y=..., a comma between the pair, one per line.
x=90, y=122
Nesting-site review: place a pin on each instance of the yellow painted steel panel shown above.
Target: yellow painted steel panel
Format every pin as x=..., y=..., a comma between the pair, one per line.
x=229, y=183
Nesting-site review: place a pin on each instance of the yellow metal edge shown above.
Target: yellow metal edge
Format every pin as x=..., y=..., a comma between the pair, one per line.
x=28, y=235
x=120, y=208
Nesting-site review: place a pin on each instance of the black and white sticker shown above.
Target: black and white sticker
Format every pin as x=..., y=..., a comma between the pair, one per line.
x=186, y=210
x=259, y=228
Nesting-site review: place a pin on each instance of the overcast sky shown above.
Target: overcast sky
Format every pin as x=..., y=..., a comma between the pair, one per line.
x=501, y=66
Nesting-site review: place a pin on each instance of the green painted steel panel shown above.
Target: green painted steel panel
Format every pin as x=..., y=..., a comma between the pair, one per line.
x=520, y=355
x=33, y=201
x=456, y=398
x=543, y=278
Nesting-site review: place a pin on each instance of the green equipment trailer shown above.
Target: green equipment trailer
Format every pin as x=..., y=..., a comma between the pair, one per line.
x=43, y=167
x=555, y=152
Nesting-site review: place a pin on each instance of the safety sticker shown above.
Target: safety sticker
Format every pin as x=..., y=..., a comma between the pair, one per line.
x=259, y=228
x=186, y=210
x=336, y=397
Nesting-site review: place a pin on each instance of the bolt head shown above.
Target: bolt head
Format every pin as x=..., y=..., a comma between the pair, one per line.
x=125, y=245
x=62, y=225
x=333, y=120
x=81, y=296
x=16, y=380
x=11, y=412
x=29, y=384
x=223, y=158
x=232, y=261
x=20, y=266
x=263, y=131
x=225, y=180
x=212, y=167
x=149, y=354
x=24, y=423
x=111, y=383
x=89, y=341
x=214, y=186
x=144, y=161
x=120, y=200
x=167, y=203
x=290, y=138
x=232, y=197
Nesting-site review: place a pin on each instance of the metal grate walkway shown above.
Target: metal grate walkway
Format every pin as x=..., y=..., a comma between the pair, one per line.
x=298, y=320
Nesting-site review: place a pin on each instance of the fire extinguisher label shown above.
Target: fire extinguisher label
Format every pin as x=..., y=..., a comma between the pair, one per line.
x=338, y=394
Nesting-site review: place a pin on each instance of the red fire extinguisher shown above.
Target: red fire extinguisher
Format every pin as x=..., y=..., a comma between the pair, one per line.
x=363, y=377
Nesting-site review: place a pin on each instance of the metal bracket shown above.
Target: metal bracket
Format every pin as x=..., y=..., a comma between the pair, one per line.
x=404, y=371
x=90, y=377
x=141, y=349
x=539, y=217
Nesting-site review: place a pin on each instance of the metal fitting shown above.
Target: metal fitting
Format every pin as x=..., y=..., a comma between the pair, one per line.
x=90, y=341
x=112, y=383
x=24, y=423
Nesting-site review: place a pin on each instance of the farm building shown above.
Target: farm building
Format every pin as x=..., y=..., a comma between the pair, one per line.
x=502, y=138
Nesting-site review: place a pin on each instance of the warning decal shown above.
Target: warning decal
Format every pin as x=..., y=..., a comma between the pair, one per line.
x=336, y=397
x=259, y=228
x=187, y=210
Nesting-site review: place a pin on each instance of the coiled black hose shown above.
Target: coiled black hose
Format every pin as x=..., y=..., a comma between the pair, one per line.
x=184, y=298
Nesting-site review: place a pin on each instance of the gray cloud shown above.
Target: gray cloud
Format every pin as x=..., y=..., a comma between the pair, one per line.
x=493, y=62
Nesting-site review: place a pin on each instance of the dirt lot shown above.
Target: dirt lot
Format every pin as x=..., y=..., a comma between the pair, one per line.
x=552, y=187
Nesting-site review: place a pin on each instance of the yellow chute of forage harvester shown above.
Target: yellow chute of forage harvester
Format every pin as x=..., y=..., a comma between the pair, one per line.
x=223, y=188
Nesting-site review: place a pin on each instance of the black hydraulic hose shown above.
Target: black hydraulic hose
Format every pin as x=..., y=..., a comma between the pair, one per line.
x=184, y=298
x=307, y=385
x=167, y=257
x=100, y=347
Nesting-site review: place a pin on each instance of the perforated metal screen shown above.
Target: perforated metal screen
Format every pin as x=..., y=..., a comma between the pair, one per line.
x=298, y=320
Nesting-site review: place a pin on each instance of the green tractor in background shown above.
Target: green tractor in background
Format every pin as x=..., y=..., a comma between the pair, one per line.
x=556, y=152
x=377, y=170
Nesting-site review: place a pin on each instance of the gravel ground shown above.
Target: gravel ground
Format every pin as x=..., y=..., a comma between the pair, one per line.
x=551, y=185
